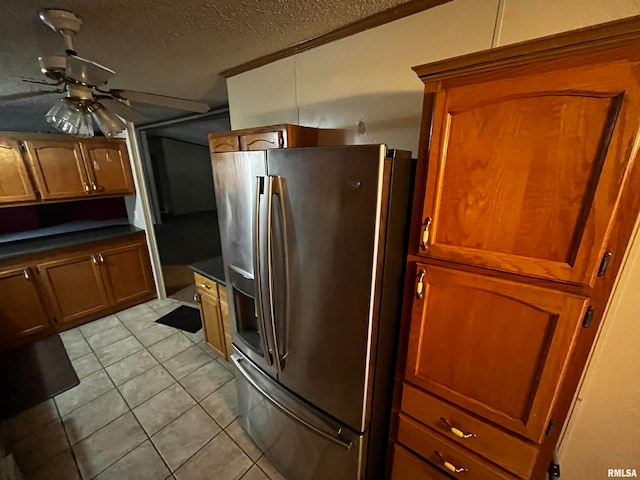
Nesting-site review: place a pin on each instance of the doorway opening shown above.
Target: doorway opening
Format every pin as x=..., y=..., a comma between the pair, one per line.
x=175, y=157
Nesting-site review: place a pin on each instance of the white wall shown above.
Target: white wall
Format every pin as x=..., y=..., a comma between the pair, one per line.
x=368, y=76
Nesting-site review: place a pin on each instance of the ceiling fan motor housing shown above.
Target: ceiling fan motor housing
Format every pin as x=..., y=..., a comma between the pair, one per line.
x=61, y=21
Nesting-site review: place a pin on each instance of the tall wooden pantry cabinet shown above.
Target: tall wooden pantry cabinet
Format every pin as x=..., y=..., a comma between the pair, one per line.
x=525, y=200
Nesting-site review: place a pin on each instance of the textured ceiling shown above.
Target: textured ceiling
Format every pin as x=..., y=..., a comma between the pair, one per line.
x=167, y=47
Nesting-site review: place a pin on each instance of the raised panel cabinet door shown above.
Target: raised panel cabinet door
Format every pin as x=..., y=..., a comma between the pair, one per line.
x=127, y=272
x=75, y=286
x=58, y=169
x=109, y=168
x=262, y=141
x=494, y=347
x=15, y=184
x=525, y=173
x=212, y=321
x=22, y=312
x=224, y=144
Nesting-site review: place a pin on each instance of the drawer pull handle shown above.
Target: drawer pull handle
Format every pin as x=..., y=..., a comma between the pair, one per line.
x=456, y=431
x=424, y=240
x=420, y=285
x=448, y=465
x=204, y=285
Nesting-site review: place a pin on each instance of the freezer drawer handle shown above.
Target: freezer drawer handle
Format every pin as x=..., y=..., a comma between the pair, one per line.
x=334, y=438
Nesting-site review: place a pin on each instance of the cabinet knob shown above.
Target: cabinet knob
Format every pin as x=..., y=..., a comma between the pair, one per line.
x=101, y=258
x=26, y=274
x=424, y=240
x=86, y=187
x=420, y=284
x=94, y=187
x=456, y=431
x=448, y=465
x=196, y=297
x=94, y=259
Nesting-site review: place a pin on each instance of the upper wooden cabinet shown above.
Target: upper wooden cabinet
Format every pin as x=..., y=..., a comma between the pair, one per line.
x=499, y=353
x=61, y=168
x=15, y=185
x=223, y=143
x=58, y=168
x=525, y=171
x=262, y=138
x=108, y=167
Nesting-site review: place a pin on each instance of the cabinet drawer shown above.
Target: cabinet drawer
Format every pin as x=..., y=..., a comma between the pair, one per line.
x=501, y=448
x=445, y=453
x=261, y=141
x=207, y=285
x=409, y=467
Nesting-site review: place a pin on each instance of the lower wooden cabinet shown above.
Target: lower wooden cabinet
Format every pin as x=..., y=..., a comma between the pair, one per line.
x=127, y=273
x=75, y=286
x=22, y=311
x=58, y=290
x=214, y=311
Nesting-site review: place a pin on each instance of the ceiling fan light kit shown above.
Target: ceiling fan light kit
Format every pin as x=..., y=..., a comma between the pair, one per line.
x=84, y=80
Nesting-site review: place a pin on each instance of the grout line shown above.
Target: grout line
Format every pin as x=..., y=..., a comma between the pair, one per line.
x=66, y=434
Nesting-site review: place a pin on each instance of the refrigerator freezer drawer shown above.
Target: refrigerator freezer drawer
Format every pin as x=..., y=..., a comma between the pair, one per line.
x=301, y=442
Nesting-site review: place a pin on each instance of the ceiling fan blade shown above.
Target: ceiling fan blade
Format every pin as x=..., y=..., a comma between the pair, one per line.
x=21, y=95
x=163, y=101
x=87, y=72
x=121, y=109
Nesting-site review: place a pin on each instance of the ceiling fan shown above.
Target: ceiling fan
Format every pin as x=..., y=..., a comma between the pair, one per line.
x=84, y=82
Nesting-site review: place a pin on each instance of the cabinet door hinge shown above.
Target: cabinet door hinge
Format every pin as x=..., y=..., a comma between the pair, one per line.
x=604, y=264
x=588, y=317
x=549, y=428
x=554, y=470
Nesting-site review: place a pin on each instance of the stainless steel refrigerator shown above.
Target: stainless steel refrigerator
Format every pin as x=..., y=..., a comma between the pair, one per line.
x=312, y=245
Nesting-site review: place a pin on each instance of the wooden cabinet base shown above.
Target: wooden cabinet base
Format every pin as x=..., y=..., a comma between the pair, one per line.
x=57, y=290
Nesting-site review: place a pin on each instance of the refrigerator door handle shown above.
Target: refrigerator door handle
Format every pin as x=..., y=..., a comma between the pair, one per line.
x=257, y=261
x=277, y=188
x=333, y=435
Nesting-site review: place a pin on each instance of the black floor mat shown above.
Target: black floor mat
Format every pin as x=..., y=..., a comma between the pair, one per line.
x=34, y=373
x=184, y=318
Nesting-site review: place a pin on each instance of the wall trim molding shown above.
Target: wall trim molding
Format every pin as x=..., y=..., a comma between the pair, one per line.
x=380, y=18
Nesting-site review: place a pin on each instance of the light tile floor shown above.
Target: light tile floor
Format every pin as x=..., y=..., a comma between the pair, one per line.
x=153, y=402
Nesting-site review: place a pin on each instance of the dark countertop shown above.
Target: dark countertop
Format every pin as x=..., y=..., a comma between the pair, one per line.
x=42, y=244
x=211, y=268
